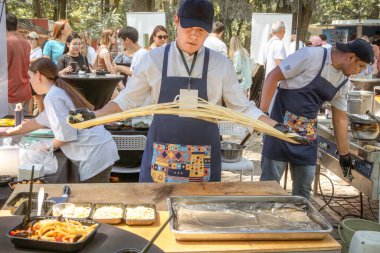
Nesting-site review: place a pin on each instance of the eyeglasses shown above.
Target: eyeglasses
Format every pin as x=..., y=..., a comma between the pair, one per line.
x=162, y=37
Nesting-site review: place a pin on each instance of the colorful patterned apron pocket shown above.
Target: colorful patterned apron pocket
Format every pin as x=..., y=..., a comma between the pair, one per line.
x=301, y=125
x=180, y=163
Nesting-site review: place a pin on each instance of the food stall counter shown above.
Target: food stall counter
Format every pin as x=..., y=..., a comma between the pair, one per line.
x=139, y=193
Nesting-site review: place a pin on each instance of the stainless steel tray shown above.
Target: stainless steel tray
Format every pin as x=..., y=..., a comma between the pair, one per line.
x=212, y=235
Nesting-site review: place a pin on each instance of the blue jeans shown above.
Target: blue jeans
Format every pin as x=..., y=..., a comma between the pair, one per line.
x=302, y=175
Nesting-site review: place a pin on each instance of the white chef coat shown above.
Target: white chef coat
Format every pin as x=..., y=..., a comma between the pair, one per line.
x=93, y=149
x=222, y=82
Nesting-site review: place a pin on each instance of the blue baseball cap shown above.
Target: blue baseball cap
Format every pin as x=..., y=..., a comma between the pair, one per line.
x=196, y=13
x=361, y=48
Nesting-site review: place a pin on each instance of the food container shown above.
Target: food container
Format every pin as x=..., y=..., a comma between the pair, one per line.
x=109, y=220
x=138, y=221
x=5, y=179
x=20, y=198
x=49, y=245
x=360, y=101
x=75, y=214
x=233, y=233
x=231, y=152
x=23, y=208
x=365, y=131
x=10, y=160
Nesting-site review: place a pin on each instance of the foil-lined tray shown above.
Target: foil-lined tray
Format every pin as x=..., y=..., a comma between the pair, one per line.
x=208, y=218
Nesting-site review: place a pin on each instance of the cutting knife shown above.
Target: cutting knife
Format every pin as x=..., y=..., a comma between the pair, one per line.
x=64, y=197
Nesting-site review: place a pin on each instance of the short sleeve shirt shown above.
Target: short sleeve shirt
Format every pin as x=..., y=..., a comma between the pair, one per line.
x=274, y=50
x=54, y=50
x=301, y=67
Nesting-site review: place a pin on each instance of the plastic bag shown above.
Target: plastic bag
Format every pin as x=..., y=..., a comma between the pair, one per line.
x=40, y=152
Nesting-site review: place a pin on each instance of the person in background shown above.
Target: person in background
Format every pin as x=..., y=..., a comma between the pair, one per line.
x=87, y=50
x=324, y=41
x=129, y=37
x=292, y=45
x=36, y=51
x=53, y=49
x=293, y=94
x=93, y=150
x=214, y=39
x=166, y=72
x=314, y=41
x=376, y=37
x=242, y=64
x=72, y=60
x=103, y=59
x=158, y=38
x=274, y=50
x=18, y=53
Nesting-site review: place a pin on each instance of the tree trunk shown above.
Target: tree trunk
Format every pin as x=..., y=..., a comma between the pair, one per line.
x=143, y=5
x=375, y=11
x=37, y=8
x=62, y=9
x=305, y=20
x=106, y=6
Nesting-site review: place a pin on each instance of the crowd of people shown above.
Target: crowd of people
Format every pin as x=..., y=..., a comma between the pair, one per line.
x=197, y=60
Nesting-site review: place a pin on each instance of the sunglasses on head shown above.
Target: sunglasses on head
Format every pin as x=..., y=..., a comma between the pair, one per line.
x=162, y=37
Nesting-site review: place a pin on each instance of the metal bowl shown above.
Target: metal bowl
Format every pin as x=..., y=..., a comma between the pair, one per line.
x=114, y=126
x=231, y=152
x=365, y=131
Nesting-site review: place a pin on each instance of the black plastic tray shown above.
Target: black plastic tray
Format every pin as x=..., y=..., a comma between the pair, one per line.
x=52, y=246
x=22, y=209
x=11, y=203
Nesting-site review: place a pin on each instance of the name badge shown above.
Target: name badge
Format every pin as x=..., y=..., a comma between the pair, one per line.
x=189, y=97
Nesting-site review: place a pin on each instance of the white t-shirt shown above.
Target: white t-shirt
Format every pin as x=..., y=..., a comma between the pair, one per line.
x=137, y=56
x=91, y=55
x=222, y=82
x=35, y=53
x=274, y=50
x=93, y=149
x=300, y=68
x=216, y=44
x=327, y=45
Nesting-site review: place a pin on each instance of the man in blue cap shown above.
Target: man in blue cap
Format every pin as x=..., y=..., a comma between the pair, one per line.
x=293, y=94
x=181, y=149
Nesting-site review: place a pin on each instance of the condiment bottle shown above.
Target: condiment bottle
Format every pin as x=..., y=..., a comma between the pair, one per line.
x=19, y=114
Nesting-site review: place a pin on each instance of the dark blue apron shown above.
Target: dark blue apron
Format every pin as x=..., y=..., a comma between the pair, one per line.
x=298, y=109
x=181, y=149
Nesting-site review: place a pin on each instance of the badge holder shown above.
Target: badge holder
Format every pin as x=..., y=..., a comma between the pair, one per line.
x=188, y=97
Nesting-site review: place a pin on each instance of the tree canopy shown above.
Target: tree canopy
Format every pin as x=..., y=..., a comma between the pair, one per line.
x=94, y=15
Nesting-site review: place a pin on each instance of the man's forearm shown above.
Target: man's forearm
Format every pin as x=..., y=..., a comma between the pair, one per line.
x=340, y=124
x=109, y=108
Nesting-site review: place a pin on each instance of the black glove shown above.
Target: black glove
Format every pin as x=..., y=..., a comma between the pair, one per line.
x=286, y=130
x=81, y=114
x=346, y=165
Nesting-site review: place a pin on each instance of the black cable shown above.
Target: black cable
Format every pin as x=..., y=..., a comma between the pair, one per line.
x=327, y=203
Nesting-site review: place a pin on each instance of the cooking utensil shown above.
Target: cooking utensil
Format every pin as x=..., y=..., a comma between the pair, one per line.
x=231, y=152
x=246, y=138
x=65, y=195
x=373, y=116
x=360, y=101
x=40, y=200
x=26, y=219
x=371, y=148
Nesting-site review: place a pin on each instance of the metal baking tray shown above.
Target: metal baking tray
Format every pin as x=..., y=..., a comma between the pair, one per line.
x=51, y=246
x=115, y=220
x=22, y=209
x=138, y=222
x=248, y=234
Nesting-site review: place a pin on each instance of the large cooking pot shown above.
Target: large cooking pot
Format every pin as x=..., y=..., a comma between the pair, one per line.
x=360, y=101
x=231, y=152
x=365, y=130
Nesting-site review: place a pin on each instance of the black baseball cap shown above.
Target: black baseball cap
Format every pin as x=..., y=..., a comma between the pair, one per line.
x=361, y=48
x=196, y=13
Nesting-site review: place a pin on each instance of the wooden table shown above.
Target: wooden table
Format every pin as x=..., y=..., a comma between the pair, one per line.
x=135, y=193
